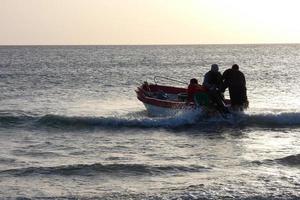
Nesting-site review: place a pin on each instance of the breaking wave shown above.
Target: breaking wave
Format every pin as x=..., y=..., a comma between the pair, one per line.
x=62, y=122
x=291, y=160
x=97, y=169
x=291, y=119
x=274, y=119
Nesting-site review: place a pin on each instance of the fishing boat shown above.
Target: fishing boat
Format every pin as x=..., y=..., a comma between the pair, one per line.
x=165, y=100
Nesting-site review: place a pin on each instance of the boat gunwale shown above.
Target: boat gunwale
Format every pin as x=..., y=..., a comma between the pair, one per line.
x=141, y=95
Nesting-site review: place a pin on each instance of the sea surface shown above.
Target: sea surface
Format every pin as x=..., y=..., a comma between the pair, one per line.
x=71, y=126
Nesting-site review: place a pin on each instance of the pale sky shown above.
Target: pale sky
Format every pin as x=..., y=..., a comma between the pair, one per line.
x=92, y=22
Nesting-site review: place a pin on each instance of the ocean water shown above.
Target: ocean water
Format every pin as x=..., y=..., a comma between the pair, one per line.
x=72, y=128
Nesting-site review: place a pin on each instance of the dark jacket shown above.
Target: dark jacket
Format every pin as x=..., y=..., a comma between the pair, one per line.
x=234, y=78
x=236, y=82
x=212, y=79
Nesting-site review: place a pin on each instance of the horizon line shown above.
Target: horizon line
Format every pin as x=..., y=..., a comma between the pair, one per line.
x=155, y=44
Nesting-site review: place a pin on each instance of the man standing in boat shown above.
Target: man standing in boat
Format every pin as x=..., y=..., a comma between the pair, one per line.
x=213, y=82
x=235, y=80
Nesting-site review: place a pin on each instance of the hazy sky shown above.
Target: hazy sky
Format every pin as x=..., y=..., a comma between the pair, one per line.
x=149, y=21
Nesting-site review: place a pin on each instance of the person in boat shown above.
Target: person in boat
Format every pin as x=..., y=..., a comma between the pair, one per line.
x=197, y=93
x=235, y=81
x=214, y=83
x=213, y=78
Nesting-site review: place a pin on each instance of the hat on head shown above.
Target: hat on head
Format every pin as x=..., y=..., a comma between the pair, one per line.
x=235, y=66
x=193, y=81
x=214, y=68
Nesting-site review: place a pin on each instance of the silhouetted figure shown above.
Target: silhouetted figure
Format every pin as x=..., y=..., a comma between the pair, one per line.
x=235, y=80
x=213, y=78
x=213, y=82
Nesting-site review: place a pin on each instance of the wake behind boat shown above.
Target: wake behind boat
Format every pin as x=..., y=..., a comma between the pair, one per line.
x=165, y=100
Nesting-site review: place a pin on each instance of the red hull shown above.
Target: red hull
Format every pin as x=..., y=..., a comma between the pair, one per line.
x=146, y=94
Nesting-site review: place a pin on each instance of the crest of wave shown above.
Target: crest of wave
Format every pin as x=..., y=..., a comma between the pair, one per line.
x=187, y=117
x=270, y=118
